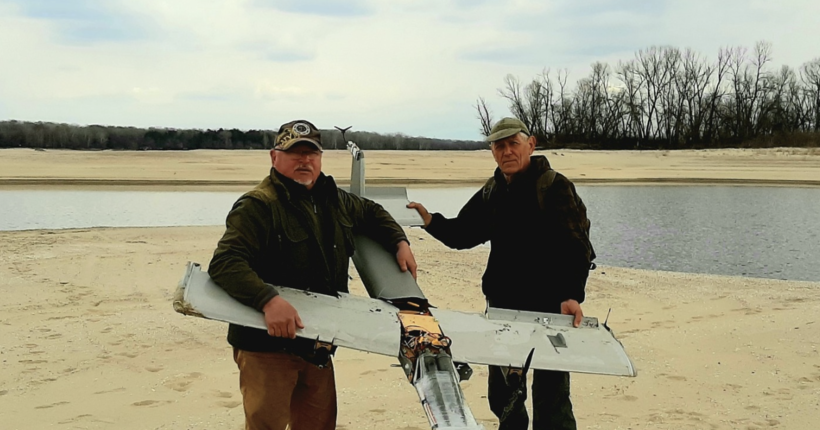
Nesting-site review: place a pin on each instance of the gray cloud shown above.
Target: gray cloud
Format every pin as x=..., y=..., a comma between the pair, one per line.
x=209, y=96
x=85, y=22
x=340, y=8
x=288, y=56
x=521, y=54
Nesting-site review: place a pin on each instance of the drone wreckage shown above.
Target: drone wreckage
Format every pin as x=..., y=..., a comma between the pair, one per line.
x=434, y=350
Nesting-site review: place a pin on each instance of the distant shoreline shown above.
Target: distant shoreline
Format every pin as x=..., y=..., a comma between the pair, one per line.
x=206, y=185
x=204, y=170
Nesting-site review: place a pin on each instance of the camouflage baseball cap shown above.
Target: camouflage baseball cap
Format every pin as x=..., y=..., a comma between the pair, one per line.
x=505, y=128
x=295, y=132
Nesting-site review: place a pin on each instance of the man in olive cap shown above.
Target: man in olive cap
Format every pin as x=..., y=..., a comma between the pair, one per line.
x=295, y=229
x=540, y=256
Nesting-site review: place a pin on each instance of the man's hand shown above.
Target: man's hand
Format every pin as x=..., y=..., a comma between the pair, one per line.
x=281, y=318
x=405, y=258
x=572, y=307
x=425, y=216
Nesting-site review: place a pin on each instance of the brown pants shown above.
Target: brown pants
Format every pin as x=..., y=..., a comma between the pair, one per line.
x=281, y=389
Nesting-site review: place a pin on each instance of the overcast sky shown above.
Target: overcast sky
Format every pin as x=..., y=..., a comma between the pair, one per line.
x=408, y=66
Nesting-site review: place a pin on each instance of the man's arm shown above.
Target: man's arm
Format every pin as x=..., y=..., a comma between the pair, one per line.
x=242, y=244
x=571, y=238
x=231, y=267
x=470, y=228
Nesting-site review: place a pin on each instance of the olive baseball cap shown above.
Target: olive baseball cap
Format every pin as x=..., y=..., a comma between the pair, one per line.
x=505, y=128
x=295, y=132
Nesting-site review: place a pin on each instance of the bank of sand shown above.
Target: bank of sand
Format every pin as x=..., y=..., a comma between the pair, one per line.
x=212, y=169
x=88, y=338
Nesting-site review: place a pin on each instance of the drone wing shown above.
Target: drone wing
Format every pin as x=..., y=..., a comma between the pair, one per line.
x=350, y=321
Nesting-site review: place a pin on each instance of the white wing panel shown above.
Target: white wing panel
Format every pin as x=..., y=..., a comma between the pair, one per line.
x=350, y=321
x=507, y=339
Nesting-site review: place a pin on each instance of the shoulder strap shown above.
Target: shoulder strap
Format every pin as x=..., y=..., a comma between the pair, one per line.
x=487, y=190
x=544, y=181
x=266, y=192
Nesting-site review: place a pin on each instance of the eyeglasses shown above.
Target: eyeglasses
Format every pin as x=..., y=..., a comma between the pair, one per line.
x=310, y=154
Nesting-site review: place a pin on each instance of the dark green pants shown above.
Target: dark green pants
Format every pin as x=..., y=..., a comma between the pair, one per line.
x=551, y=407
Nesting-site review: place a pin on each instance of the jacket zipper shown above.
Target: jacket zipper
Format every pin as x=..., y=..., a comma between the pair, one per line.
x=331, y=288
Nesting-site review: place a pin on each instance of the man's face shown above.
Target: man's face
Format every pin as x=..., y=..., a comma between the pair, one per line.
x=512, y=154
x=301, y=162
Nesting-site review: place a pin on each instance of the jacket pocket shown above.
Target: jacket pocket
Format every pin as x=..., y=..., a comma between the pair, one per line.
x=295, y=246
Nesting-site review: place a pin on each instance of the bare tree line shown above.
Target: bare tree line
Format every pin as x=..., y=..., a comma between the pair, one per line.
x=671, y=98
x=44, y=135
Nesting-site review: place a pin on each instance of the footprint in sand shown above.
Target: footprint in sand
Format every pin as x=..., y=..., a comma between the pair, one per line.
x=145, y=403
x=154, y=369
x=224, y=394
x=51, y=405
x=183, y=381
x=3, y=392
x=229, y=404
x=75, y=419
x=115, y=390
x=785, y=394
x=370, y=372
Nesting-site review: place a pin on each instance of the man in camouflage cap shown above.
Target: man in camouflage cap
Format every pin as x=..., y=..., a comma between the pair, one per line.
x=295, y=229
x=540, y=257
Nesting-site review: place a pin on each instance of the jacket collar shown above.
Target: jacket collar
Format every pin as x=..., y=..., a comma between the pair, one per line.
x=325, y=186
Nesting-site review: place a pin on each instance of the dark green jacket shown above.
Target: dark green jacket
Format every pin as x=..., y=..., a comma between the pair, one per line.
x=540, y=252
x=281, y=234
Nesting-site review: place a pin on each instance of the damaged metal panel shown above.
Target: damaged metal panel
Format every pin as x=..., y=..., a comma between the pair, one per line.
x=381, y=275
x=349, y=321
x=437, y=385
x=394, y=200
x=590, y=348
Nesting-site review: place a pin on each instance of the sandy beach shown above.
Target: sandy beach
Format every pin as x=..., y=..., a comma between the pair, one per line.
x=89, y=339
x=214, y=169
